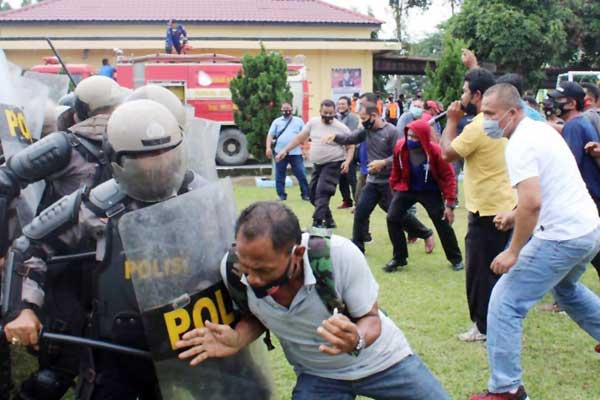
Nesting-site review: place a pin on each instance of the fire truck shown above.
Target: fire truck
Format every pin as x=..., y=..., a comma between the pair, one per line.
x=201, y=81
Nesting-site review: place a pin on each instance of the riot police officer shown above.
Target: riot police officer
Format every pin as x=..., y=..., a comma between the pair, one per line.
x=148, y=161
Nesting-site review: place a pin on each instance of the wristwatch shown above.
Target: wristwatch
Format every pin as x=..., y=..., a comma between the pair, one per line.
x=359, y=345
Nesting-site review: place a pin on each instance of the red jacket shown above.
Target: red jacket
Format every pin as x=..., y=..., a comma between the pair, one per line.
x=441, y=171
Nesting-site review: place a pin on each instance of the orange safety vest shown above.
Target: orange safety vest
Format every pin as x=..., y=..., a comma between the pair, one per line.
x=393, y=110
x=380, y=107
x=353, y=107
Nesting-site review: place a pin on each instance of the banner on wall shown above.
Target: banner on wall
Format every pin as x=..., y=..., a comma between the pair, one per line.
x=345, y=82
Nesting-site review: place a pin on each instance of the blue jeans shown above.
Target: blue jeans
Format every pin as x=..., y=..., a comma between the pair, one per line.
x=297, y=163
x=543, y=265
x=407, y=380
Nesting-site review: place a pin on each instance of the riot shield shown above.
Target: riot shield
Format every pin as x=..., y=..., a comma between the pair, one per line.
x=201, y=137
x=57, y=84
x=15, y=136
x=173, y=252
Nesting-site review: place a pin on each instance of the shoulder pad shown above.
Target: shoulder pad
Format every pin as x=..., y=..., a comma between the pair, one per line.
x=107, y=198
x=42, y=158
x=54, y=219
x=193, y=181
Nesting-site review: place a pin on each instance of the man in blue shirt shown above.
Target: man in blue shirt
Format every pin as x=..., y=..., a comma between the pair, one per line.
x=283, y=130
x=578, y=132
x=107, y=69
x=176, y=37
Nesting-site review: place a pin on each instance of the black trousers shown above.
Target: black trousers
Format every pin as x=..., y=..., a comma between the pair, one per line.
x=434, y=205
x=348, y=185
x=371, y=195
x=323, y=182
x=5, y=369
x=482, y=244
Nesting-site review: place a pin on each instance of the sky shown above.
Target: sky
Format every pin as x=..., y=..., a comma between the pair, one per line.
x=420, y=24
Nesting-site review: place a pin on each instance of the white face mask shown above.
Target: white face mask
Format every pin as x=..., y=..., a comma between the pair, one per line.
x=492, y=127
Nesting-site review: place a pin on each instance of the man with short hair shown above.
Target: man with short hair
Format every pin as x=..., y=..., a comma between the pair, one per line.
x=487, y=193
x=350, y=351
x=329, y=160
x=282, y=131
x=348, y=180
x=517, y=81
x=590, y=106
x=578, y=132
x=107, y=69
x=555, y=208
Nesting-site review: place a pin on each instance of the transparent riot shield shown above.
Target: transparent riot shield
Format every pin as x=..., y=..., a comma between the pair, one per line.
x=15, y=136
x=57, y=84
x=201, y=137
x=173, y=254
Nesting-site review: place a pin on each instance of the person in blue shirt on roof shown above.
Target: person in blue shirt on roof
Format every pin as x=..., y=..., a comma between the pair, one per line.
x=176, y=37
x=107, y=69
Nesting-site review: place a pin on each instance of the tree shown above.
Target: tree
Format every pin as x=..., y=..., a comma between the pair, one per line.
x=258, y=92
x=431, y=46
x=517, y=35
x=5, y=6
x=400, y=8
x=446, y=81
x=582, y=22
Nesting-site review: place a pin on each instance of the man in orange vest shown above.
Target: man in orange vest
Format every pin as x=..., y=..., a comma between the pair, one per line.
x=392, y=112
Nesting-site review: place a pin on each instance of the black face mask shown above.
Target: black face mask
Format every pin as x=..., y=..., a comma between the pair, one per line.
x=286, y=114
x=327, y=119
x=559, y=108
x=272, y=287
x=368, y=124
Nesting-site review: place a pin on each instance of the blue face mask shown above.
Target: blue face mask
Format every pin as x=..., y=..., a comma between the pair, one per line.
x=492, y=127
x=413, y=144
x=417, y=112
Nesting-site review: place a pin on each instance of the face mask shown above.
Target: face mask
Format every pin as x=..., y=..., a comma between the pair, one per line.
x=327, y=119
x=286, y=114
x=417, y=112
x=368, y=124
x=492, y=127
x=413, y=144
x=343, y=114
x=559, y=109
x=273, y=287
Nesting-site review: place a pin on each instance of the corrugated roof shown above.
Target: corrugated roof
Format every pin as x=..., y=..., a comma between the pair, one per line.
x=208, y=11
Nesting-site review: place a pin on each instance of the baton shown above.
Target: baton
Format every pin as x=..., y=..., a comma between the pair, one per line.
x=72, y=257
x=437, y=118
x=81, y=341
x=61, y=62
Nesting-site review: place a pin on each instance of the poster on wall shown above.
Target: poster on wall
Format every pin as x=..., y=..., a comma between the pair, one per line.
x=345, y=82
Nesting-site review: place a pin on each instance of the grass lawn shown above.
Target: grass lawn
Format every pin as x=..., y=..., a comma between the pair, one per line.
x=427, y=300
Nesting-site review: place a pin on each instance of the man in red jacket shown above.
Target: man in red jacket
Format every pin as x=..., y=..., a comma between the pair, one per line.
x=419, y=174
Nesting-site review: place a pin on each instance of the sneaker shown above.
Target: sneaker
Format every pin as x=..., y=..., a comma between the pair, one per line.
x=429, y=244
x=412, y=240
x=519, y=395
x=306, y=198
x=472, y=335
x=554, y=307
x=330, y=224
x=459, y=266
x=394, y=265
x=368, y=239
x=597, y=348
x=344, y=205
x=282, y=198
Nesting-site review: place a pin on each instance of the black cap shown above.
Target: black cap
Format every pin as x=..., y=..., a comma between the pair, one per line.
x=568, y=89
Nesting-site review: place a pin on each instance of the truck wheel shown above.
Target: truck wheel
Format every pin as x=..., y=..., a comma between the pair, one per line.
x=232, y=148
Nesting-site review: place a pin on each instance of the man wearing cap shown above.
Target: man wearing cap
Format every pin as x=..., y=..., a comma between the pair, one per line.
x=578, y=132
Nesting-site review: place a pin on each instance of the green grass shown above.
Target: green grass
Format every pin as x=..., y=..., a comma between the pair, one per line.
x=427, y=300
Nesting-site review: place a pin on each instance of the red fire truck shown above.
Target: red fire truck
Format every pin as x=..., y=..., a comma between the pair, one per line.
x=202, y=82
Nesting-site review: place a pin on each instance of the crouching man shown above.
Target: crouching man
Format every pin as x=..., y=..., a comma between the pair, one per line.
x=318, y=296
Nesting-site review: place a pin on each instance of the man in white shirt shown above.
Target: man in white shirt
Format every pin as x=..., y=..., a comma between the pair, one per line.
x=556, y=235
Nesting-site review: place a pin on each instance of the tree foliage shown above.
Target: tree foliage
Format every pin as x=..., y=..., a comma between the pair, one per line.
x=582, y=22
x=258, y=92
x=5, y=6
x=445, y=82
x=400, y=10
x=517, y=35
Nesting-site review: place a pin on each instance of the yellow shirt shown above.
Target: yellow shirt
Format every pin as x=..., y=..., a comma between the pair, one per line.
x=486, y=184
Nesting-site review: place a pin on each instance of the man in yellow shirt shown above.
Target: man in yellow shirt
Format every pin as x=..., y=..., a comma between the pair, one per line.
x=488, y=195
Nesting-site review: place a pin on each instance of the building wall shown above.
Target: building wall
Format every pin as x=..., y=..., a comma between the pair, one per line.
x=320, y=56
